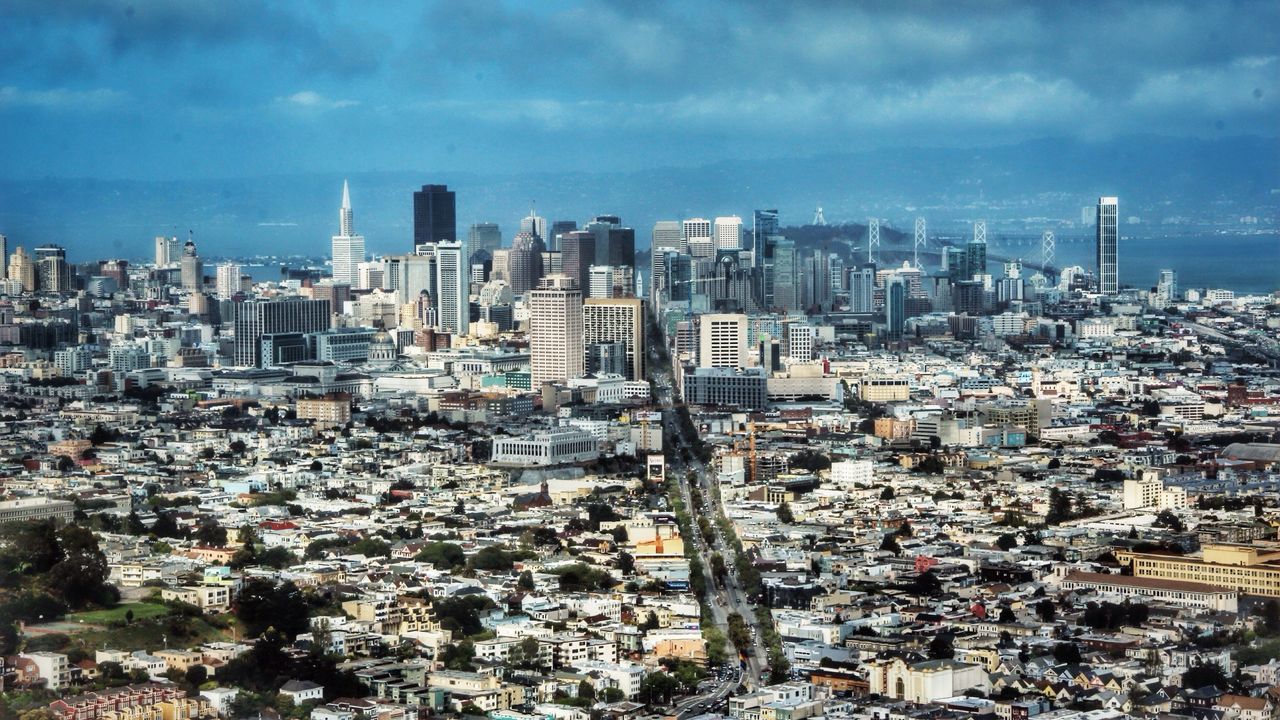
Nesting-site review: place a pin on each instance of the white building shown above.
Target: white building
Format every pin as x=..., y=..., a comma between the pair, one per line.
x=849, y=473
x=727, y=233
x=52, y=667
x=548, y=447
x=722, y=341
x=556, y=349
x=348, y=247
x=228, y=280
x=453, y=285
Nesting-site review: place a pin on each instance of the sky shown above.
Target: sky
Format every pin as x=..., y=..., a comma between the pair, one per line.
x=162, y=89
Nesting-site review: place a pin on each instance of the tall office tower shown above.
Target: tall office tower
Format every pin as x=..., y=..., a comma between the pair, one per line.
x=168, y=251
x=559, y=228
x=4, y=256
x=578, y=254
x=695, y=236
x=348, y=248
x=815, y=281
x=1167, y=285
x=722, y=340
x=953, y=263
x=22, y=269
x=337, y=294
x=524, y=262
x=535, y=224
x=501, y=269
x=835, y=270
x=764, y=224
x=727, y=233
x=410, y=275
x=369, y=275
x=228, y=281
x=256, y=318
x=1108, y=245
x=895, y=307
x=799, y=341
x=552, y=262
x=862, y=289
x=453, y=285
x=600, y=283
x=435, y=215
x=666, y=236
x=782, y=269
x=484, y=236
x=975, y=257
x=192, y=268
x=615, y=245
x=556, y=347
x=54, y=274
x=617, y=320
x=678, y=271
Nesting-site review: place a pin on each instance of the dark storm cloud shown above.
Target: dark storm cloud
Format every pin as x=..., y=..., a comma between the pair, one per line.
x=473, y=82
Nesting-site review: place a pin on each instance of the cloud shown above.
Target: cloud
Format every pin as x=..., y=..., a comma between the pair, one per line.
x=313, y=100
x=60, y=98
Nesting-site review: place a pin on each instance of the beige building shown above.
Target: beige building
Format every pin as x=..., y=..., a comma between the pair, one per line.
x=722, y=341
x=556, y=348
x=332, y=410
x=611, y=320
x=1251, y=569
x=884, y=389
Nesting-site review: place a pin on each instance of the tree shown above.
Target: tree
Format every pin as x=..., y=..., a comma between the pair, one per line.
x=443, y=555
x=1167, y=519
x=1006, y=615
x=613, y=695
x=196, y=676
x=263, y=604
x=887, y=493
x=80, y=578
x=1059, y=507
x=1203, y=674
x=890, y=543
x=1067, y=653
x=1047, y=611
x=785, y=515
x=1007, y=541
x=626, y=563
x=942, y=647
x=1270, y=612
x=211, y=534
x=586, y=690
x=526, y=581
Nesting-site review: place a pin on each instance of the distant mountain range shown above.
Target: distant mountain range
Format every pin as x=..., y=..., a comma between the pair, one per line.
x=1033, y=184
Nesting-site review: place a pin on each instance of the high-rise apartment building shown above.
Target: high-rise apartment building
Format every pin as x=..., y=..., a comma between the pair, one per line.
x=558, y=229
x=348, y=247
x=453, y=287
x=556, y=347
x=895, y=307
x=228, y=280
x=435, y=215
x=256, y=318
x=410, y=275
x=54, y=274
x=4, y=256
x=22, y=269
x=617, y=320
x=722, y=340
x=727, y=233
x=1108, y=245
x=781, y=270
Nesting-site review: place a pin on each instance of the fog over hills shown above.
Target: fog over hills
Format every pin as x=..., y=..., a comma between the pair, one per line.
x=1035, y=183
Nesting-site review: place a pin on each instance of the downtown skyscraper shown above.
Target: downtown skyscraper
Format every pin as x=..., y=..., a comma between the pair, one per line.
x=348, y=247
x=1108, y=245
x=556, y=342
x=435, y=215
x=452, y=287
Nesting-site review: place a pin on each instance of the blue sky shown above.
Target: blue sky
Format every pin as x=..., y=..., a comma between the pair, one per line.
x=172, y=88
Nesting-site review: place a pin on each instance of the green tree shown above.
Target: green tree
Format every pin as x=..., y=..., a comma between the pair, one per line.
x=263, y=604
x=1007, y=541
x=784, y=513
x=890, y=543
x=211, y=534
